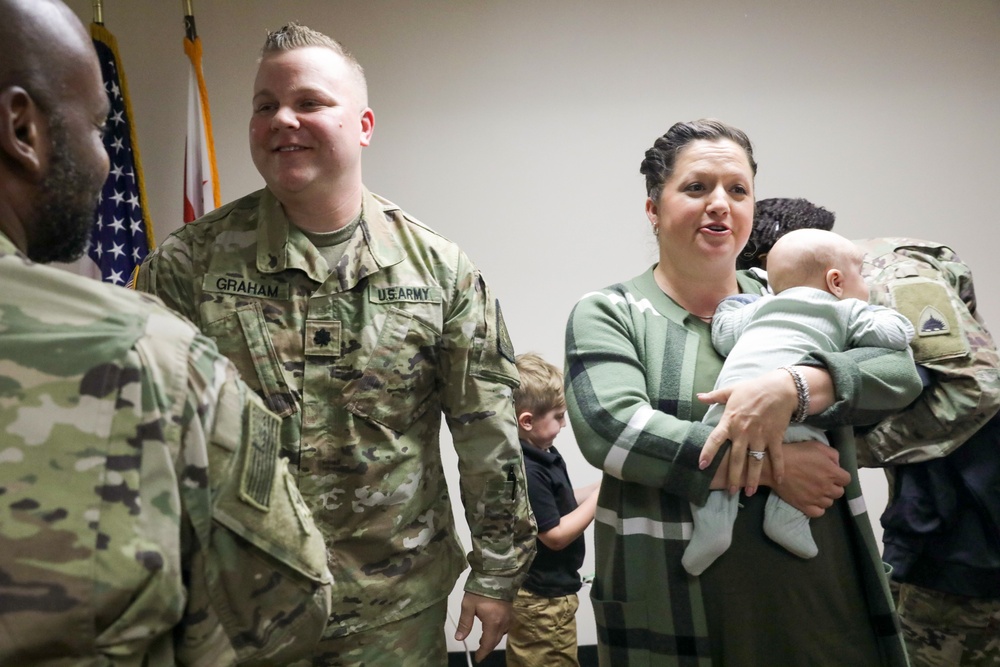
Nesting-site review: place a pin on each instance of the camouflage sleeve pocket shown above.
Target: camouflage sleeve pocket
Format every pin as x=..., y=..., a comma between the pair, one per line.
x=493, y=355
x=265, y=558
x=497, y=526
x=259, y=500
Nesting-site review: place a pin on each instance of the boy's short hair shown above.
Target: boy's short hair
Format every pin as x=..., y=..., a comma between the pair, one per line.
x=541, y=387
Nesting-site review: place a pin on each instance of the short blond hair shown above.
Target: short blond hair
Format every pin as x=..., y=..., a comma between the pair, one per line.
x=293, y=36
x=541, y=386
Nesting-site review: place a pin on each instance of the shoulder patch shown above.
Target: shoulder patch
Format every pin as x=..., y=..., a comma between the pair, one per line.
x=260, y=457
x=927, y=304
x=504, y=345
x=932, y=323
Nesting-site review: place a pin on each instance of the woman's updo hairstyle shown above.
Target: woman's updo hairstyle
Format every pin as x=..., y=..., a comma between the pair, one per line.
x=658, y=165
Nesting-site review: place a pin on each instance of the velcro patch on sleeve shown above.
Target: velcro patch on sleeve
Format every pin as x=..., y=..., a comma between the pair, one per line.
x=504, y=345
x=260, y=456
x=928, y=305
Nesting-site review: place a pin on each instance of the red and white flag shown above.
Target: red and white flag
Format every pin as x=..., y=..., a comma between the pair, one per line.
x=201, y=176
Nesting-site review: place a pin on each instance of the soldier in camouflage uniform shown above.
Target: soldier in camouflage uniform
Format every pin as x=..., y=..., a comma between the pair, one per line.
x=942, y=523
x=360, y=326
x=145, y=517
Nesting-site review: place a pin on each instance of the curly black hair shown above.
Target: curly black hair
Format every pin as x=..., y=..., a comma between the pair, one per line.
x=775, y=217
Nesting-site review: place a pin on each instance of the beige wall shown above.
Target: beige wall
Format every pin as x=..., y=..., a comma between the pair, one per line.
x=516, y=128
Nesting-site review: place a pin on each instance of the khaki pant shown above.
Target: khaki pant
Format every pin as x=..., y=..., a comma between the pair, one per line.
x=543, y=631
x=944, y=630
x=415, y=641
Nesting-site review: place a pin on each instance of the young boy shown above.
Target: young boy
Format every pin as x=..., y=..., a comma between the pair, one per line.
x=543, y=628
x=820, y=303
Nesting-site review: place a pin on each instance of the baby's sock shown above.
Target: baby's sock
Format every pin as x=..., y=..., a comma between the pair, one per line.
x=713, y=531
x=788, y=527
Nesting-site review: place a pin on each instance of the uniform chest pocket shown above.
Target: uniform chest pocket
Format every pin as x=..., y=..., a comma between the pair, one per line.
x=241, y=334
x=397, y=385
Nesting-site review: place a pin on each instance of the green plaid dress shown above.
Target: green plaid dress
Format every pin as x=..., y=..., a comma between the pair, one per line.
x=631, y=354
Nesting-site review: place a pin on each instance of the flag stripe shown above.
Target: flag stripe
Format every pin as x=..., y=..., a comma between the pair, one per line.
x=204, y=142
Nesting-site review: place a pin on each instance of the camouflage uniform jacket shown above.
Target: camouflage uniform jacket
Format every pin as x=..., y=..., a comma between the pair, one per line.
x=145, y=518
x=927, y=283
x=360, y=360
x=942, y=525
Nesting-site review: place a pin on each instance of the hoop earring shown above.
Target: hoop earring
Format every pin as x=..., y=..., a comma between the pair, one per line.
x=749, y=251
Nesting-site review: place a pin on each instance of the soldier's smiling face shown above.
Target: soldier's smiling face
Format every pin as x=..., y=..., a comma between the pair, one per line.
x=310, y=121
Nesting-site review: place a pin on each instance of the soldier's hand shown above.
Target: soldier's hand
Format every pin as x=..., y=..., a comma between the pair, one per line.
x=814, y=479
x=493, y=614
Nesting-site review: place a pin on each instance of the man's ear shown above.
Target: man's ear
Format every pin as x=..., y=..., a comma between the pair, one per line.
x=21, y=129
x=835, y=282
x=367, y=126
x=525, y=420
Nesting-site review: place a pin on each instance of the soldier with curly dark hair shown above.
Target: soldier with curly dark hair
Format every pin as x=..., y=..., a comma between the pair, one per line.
x=941, y=525
x=773, y=218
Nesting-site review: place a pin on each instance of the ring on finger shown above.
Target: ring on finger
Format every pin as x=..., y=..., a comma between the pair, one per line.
x=757, y=456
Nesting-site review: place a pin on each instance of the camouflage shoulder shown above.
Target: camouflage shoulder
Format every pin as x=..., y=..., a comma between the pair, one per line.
x=246, y=202
x=208, y=224
x=392, y=209
x=80, y=296
x=879, y=250
x=139, y=303
x=183, y=241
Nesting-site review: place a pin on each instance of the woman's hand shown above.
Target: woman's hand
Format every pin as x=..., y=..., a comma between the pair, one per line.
x=757, y=414
x=813, y=477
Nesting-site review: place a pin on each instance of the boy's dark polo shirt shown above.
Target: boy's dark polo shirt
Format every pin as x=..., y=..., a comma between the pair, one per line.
x=553, y=573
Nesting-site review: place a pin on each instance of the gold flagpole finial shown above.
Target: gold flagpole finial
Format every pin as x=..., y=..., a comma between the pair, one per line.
x=98, y=12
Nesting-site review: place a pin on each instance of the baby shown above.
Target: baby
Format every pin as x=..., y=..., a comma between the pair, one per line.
x=820, y=303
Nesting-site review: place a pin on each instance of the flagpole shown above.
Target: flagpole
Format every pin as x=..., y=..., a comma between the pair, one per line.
x=99, y=11
x=189, y=29
x=200, y=168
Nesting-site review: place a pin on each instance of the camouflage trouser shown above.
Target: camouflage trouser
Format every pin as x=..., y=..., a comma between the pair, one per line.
x=415, y=641
x=543, y=631
x=944, y=630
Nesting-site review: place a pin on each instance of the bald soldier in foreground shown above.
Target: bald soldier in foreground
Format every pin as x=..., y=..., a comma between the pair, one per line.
x=145, y=517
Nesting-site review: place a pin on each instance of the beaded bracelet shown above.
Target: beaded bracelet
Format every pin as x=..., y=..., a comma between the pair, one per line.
x=802, y=390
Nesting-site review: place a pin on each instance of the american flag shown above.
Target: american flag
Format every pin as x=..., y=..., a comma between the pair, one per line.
x=122, y=234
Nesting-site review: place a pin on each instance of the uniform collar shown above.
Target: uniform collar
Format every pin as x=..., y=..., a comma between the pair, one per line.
x=547, y=456
x=282, y=246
